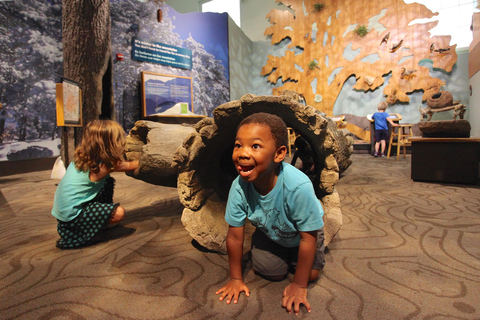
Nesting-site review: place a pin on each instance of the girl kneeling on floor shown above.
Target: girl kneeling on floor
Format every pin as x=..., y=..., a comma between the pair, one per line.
x=83, y=203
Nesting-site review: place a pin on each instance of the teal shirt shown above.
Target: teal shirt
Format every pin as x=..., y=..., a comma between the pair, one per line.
x=72, y=192
x=289, y=208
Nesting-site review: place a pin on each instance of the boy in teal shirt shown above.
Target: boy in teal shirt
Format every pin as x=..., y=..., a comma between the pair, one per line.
x=280, y=202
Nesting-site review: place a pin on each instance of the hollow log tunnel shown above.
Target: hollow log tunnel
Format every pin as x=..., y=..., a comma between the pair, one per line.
x=204, y=169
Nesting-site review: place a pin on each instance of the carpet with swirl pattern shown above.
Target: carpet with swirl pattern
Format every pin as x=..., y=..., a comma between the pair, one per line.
x=407, y=250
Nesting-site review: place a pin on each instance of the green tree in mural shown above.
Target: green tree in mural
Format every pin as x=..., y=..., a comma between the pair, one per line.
x=327, y=38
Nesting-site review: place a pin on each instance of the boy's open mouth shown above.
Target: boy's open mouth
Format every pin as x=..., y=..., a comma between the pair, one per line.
x=245, y=169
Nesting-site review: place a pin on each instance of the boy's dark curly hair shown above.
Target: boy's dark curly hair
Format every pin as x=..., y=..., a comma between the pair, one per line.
x=277, y=126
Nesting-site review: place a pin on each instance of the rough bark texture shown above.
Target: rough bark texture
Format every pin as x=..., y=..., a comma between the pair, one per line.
x=87, y=53
x=344, y=142
x=207, y=225
x=154, y=145
x=445, y=129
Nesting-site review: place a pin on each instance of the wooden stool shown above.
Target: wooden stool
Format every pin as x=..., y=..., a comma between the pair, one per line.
x=402, y=136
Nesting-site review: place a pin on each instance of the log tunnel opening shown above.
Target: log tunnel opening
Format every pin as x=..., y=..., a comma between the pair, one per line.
x=304, y=152
x=204, y=160
x=228, y=172
x=204, y=169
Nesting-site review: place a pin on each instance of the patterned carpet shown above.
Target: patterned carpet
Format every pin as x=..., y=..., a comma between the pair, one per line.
x=407, y=250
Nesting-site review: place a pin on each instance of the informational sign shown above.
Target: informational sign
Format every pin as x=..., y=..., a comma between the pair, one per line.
x=69, y=103
x=166, y=95
x=156, y=52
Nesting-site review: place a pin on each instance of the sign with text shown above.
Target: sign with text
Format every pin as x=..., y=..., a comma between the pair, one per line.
x=156, y=52
x=166, y=95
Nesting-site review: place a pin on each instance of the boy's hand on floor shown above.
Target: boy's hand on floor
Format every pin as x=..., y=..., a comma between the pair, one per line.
x=232, y=290
x=293, y=296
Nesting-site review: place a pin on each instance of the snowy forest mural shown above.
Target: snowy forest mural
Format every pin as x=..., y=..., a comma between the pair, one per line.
x=131, y=18
x=31, y=64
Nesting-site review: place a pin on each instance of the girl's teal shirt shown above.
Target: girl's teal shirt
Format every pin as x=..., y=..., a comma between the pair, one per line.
x=74, y=190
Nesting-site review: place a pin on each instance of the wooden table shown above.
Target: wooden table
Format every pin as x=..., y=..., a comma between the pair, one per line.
x=453, y=160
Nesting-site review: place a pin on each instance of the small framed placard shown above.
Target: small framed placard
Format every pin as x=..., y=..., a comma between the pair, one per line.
x=69, y=103
x=166, y=95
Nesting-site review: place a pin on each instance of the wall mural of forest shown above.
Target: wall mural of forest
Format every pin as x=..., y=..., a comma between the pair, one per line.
x=31, y=64
x=206, y=34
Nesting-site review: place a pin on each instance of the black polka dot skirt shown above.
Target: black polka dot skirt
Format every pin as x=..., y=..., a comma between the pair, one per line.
x=95, y=215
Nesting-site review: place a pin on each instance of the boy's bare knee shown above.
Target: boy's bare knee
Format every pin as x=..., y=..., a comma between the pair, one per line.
x=118, y=215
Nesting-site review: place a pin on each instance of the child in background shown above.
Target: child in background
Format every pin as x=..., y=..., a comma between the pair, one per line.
x=381, y=128
x=83, y=199
x=280, y=202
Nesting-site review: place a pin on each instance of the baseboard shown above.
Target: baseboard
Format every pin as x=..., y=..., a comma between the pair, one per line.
x=366, y=148
x=11, y=167
x=361, y=148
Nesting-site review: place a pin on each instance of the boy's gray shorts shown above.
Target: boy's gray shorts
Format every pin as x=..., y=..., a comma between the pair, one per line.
x=272, y=259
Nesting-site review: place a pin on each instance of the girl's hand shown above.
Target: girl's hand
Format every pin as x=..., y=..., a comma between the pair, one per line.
x=232, y=290
x=124, y=166
x=293, y=296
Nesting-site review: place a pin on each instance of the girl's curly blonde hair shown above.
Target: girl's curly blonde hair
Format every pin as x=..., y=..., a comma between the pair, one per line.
x=103, y=142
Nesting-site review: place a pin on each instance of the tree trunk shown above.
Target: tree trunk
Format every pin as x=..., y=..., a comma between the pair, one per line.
x=86, y=57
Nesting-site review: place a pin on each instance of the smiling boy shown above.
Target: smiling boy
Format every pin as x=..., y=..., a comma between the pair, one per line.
x=280, y=202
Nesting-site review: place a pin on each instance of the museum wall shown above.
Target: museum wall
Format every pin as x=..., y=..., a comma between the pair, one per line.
x=350, y=101
x=31, y=65
x=475, y=105
x=241, y=61
x=359, y=103
x=184, y=6
x=474, y=74
x=205, y=34
x=253, y=17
